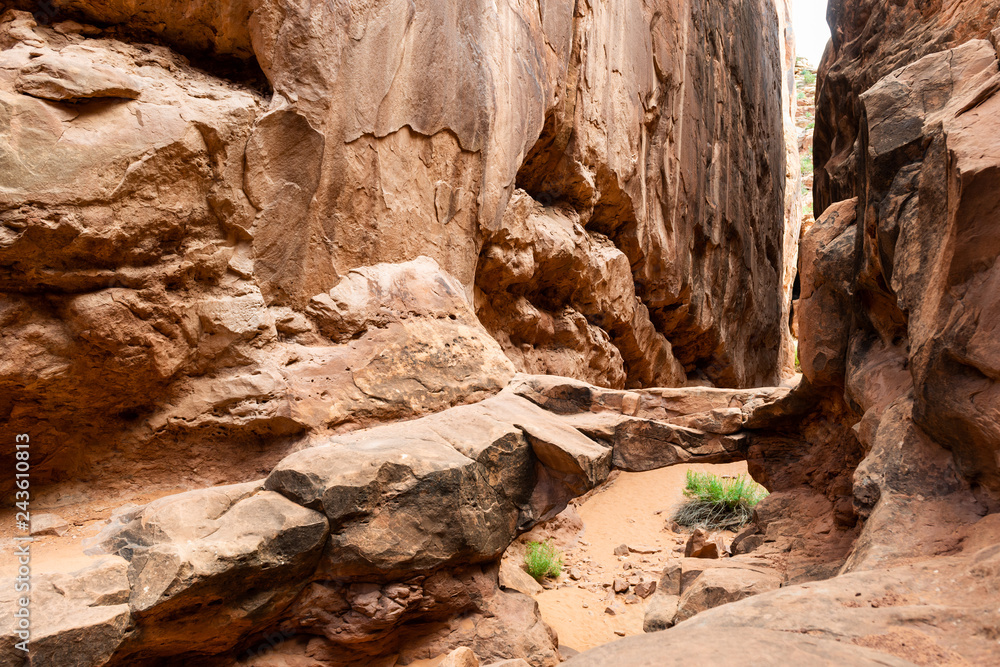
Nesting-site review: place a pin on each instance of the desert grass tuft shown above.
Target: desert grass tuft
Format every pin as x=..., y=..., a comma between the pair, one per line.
x=718, y=503
x=542, y=559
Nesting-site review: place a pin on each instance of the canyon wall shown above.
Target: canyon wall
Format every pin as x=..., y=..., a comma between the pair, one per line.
x=884, y=461
x=240, y=239
x=868, y=41
x=191, y=189
x=898, y=307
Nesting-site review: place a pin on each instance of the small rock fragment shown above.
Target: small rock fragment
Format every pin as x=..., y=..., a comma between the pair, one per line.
x=48, y=524
x=460, y=657
x=621, y=550
x=620, y=585
x=645, y=589
x=643, y=549
x=703, y=545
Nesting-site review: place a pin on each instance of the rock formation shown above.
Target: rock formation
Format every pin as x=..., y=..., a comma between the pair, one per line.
x=346, y=296
x=892, y=432
x=241, y=240
x=383, y=541
x=178, y=229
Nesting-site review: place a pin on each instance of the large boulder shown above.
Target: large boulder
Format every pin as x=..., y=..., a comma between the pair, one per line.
x=459, y=483
x=207, y=568
x=77, y=619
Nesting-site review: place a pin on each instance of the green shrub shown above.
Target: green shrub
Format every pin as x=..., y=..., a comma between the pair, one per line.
x=807, y=165
x=809, y=76
x=718, y=503
x=542, y=559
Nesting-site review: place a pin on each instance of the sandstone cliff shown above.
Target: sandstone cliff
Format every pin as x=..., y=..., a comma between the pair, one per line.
x=241, y=239
x=604, y=185
x=341, y=298
x=885, y=456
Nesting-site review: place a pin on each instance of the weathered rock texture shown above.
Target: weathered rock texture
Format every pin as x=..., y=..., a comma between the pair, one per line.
x=237, y=238
x=892, y=434
x=899, y=285
x=887, y=456
x=869, y=40
x=382, y=541
x=605, y=184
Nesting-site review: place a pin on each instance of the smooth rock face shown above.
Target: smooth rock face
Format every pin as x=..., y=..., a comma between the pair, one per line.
x=903, y=615
x=716, y=646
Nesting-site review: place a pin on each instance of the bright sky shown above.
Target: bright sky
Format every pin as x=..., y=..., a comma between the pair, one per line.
x=811, y=31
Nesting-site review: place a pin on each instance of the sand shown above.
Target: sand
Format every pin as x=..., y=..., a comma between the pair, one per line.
x=632, y=510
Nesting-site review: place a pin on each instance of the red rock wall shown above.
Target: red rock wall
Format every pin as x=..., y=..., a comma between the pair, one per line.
x=664, y=119
x=898, y=308
x=870, y=39
x=604, y=185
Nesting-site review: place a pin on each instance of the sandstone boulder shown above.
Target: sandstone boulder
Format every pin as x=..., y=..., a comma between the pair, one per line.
x=443, y=509
x=460, y=657
x=240, y=551
x=77, y=618
x=702, y=544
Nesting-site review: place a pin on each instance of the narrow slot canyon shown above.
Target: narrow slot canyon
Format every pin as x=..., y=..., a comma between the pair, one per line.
x=324, y=323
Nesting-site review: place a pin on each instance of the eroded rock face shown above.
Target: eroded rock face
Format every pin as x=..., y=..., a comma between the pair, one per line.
x=884, y=457
x=869, y=40
x=398, y=123
x=174, y=237
x=346, y=215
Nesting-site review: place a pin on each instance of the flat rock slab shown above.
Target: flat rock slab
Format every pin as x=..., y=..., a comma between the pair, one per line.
x=52, y=77
x=731, y=648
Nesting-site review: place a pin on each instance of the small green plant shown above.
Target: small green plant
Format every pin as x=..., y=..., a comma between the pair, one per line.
x=542, y=559
x=807, y=165
x=719, y=503
x=809, y=76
